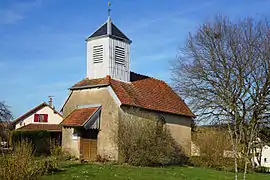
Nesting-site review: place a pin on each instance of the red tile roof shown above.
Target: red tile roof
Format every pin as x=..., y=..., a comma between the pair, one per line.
x=38, y=127
x=32, y=111
x=91, y=82
x=78, y=117
x=144, y=92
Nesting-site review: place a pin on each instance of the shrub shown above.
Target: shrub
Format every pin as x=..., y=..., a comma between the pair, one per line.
x=262, y=169
x=213, y=143
x=57, y=152
x=224, y=164
x=47, y=165
x=41, y=140
x=102, y=159
x=146, y=142
x=21, y=164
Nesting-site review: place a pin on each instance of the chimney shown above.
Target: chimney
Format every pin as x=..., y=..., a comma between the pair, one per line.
x=108, y=78
x=51, y=101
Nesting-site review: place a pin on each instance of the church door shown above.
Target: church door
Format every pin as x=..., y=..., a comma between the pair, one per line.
x=89, y=149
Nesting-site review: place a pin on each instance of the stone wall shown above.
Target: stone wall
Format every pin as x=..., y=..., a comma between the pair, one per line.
x=68, y=144
x=179, y=126
x=106, y=145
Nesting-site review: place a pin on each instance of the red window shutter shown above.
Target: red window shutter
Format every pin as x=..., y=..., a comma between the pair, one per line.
x=36, y=117
x=45, y=117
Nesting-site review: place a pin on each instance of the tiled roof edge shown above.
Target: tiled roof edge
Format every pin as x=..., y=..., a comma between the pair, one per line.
x=86, y=87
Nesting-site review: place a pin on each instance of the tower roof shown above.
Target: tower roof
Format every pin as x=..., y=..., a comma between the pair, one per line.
x=109, y=29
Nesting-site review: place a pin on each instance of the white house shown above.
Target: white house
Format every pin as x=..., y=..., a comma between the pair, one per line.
x=265, y=156
x=41, y=117
x=265, y=159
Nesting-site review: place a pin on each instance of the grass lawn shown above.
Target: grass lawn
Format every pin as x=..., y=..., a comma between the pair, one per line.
x=117, y=172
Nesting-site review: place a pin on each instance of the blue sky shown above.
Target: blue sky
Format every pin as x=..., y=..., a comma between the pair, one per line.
x=43, y=52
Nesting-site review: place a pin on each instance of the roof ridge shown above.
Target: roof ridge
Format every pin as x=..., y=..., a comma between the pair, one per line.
x=129, y=83
x=150, y=77
x=87, y=80
x=67, y=116
x=139, y=74
x=91, y=115
x=32, y=109
x=96, y=30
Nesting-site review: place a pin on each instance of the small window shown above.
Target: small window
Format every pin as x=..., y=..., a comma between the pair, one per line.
x=119, y=55
x=98, y=54
x=74, y=136
x=265, y=160
x=21, y=123
x=41, y=118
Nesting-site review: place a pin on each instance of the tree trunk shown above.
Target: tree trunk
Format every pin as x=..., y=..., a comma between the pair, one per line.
x=235, y=163
x=234, y=145
x=260, y=155
x=254, y=157
x=245, y=170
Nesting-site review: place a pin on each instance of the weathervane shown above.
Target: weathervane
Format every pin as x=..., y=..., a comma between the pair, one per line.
x=109, y=9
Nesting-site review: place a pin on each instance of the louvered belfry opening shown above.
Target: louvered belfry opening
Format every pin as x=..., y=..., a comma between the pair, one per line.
x=108, y=53
x=98, y=54
x=119, y=55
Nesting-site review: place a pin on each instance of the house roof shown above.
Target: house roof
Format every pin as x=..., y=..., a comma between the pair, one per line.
x=37, y=127
x=79, y=117
x=143, y=91
x=32, y=111
x=114, y=32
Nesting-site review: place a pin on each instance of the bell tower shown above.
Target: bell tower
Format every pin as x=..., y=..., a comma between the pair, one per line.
x=108, y=52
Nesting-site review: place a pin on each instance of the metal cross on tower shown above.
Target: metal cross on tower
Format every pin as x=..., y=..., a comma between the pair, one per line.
x=109, y=9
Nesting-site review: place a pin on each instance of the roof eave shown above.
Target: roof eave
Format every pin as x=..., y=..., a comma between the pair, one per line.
x=179, y=114
x=85, y=122
x=38, y=130
x=70, y=125
x=89, y=38
x=92, y=115
x=86, y=87
x=28, y=113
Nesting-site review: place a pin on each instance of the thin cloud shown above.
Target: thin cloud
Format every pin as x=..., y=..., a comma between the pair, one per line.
x=9, y=16
x=147, y=22
x=17, y=11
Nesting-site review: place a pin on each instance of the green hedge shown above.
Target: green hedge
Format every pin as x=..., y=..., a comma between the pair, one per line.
x=41, y=140
x=223, y=164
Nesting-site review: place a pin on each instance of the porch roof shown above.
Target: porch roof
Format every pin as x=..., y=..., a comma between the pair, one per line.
x=39, y=127
x=80, y=117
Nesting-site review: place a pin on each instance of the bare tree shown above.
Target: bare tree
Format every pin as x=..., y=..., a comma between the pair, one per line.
x=5, y=113
x=263, y=138
x=5, y=117
x=223, y=72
